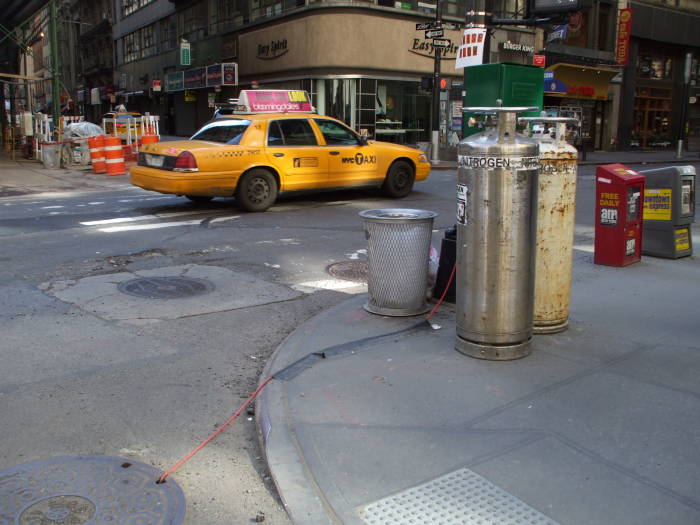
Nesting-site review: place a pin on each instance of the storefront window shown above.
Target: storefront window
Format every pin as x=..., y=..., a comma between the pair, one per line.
x=655, y=67
x=652, y=118
x=402, y=113
x=337, y=98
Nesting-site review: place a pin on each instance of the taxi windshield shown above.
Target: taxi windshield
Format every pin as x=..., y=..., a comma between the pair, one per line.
x=227, y=131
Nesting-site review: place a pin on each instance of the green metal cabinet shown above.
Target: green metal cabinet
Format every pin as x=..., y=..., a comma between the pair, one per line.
x=512, y=84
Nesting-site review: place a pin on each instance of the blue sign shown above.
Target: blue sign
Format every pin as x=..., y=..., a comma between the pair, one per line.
x=558, y=33
x=552, y=85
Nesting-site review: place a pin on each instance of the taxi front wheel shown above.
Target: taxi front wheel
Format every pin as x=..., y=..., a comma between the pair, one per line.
x=399, y=180
x=256, y=190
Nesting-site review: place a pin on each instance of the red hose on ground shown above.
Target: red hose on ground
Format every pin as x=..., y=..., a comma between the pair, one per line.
x=444, y=293
x=218, y=431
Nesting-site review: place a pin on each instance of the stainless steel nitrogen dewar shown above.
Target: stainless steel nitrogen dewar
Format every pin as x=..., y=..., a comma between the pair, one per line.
x=496, y=231
x=555, y=223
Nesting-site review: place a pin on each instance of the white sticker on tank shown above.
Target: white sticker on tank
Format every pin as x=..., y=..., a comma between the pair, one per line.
x=462, y=192
x=462, y=203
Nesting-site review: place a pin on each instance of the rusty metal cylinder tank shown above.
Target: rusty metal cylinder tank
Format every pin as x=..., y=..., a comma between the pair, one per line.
x=555, y=222
x=496, y=224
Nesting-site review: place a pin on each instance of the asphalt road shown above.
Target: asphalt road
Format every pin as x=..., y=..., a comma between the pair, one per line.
x=78, y=380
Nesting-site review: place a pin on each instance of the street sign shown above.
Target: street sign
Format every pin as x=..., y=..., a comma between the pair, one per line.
x=433, y=24
x=453, y=26
x=434, y=33
x=441, y=42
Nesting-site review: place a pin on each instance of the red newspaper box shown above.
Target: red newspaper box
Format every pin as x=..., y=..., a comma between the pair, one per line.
x=618, y=215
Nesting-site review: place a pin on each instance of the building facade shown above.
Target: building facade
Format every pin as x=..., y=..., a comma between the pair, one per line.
x=361, y=62
x=581, y=76
x=660, y=99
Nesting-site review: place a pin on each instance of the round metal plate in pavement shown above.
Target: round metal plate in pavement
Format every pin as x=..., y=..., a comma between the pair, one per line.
x=95, y=490
x=165, y=287
x=349, y=271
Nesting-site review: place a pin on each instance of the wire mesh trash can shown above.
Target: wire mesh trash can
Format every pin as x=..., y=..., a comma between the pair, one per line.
x=51, y=154
x=398, y=247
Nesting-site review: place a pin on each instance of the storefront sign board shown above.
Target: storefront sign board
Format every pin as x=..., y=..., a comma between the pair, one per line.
x=174, y=81
x=471, y=51
x=624, y=28
x=195, y=78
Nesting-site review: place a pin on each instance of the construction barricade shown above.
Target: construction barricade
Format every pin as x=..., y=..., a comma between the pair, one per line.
x=97, y=155
x=114, y=156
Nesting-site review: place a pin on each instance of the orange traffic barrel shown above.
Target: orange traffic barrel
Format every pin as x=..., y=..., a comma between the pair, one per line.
x=129, y=151
x=97, y=156
x=114, y=156
x=149, y=139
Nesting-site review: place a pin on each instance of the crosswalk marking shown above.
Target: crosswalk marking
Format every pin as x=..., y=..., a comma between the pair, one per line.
x=140, y=218
x=135, y=227
x=121, y=223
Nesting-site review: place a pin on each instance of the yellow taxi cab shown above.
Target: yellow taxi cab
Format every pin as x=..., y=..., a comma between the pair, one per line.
x=275, y=143
x=123, y=121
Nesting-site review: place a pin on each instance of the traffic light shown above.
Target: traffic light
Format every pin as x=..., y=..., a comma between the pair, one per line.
x=549, y=7
x=426, y=83
x=443, y=83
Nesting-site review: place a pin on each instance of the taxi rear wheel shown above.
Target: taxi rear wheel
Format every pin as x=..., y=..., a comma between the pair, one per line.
x=399, y=180
x=257, y=190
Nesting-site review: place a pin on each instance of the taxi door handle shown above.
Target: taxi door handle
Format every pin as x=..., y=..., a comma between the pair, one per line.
x=334, y=152
x=278, y=154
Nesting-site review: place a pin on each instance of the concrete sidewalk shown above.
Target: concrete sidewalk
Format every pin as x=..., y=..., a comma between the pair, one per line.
x=20, y=177
x=599, y=425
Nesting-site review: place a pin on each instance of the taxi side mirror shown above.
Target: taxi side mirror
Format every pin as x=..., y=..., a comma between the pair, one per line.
x=363, y=140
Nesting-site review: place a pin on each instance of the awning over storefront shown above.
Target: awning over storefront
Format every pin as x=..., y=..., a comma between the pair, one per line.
x=576, y=81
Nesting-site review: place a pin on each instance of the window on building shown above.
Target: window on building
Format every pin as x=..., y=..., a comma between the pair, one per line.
x=130, y=6
x=192, y=21
x=509, y=8
x=148, y=39
x=131, y=46
x=226, y=15
x=168, y=33
x=655, y=67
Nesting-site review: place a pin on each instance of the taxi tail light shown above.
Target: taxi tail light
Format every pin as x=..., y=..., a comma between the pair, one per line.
x=185, y=162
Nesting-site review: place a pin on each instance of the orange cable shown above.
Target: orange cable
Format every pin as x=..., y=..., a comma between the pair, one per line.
x=444, y=293
x=218, y=431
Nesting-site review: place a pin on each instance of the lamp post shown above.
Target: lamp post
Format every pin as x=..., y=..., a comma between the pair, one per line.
x=435, y=133
x=55, y=70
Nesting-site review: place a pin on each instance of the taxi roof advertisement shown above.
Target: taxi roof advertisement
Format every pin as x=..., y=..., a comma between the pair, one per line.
x=265, y=100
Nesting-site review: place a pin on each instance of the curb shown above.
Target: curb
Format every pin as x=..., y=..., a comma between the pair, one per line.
x=302, y=499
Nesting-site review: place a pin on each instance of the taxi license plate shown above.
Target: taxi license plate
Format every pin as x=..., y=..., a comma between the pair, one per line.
x=155, y=161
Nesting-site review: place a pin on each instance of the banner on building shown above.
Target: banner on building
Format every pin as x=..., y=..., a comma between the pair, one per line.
x=185, y=54
x=624, y=27
x=471, y=51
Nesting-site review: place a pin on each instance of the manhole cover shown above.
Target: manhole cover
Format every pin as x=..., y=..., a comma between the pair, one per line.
x=165, y=287
x=99, y=490
x=349, y=271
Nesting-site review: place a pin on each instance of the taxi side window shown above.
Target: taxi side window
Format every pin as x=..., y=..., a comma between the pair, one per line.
x=291, y=132
x=336, y=134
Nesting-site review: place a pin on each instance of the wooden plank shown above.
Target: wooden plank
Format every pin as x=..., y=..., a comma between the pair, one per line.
x=25, y=77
